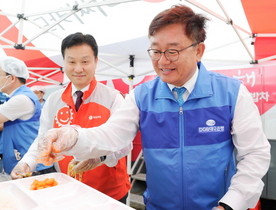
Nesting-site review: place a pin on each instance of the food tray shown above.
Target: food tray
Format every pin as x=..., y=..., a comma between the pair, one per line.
x=69, y=194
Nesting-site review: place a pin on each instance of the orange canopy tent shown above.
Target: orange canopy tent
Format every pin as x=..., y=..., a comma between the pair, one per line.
x=48, y=71
x=261, y=16
x=43, y=70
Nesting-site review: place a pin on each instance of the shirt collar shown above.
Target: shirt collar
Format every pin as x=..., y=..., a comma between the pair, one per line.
x=74, y=89
x=190, y=84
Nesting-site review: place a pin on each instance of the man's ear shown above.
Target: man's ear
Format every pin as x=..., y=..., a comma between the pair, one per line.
x=200, y=51
x=13, y=78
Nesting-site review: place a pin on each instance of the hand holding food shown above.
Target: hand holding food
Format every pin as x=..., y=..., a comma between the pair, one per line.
x=21, y=170
x=54, y=142
x=76, y=168
x=73, y=174
x=86, y=165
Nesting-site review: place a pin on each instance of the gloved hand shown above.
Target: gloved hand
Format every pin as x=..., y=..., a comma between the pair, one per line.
x=21, y=170
x=218, y=208
x=54, y=142
x=86, y=165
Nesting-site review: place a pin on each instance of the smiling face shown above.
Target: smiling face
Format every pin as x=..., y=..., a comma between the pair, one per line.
x=178, y=72
x=80, y=65
x=63, y=117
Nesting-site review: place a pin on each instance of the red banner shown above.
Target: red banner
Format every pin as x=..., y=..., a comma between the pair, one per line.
x=261, y=83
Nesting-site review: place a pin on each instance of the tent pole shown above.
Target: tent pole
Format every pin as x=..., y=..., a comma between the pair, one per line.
x=21, y=23
x=266, y=59
x=120, y=70
x=211, y=12
x=230, y=21
x=265, y=35
x=130, y=78
x=227, y=20
x=5, y=31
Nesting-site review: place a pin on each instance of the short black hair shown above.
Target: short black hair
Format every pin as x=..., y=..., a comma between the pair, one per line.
x=79, y=39
x=22, y=80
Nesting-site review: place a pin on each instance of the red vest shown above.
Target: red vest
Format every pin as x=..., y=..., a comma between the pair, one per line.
x=112, y=181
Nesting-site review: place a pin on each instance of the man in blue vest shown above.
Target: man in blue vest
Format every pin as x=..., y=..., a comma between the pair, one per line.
x=190, y=119
x=20, y=114
x=39, y=90
x=2, y=100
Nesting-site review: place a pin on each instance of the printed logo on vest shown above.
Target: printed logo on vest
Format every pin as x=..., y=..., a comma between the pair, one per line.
x=211, y=127
x=63, y=117
x=17, y=154
x=210, y=122
x=94, y=117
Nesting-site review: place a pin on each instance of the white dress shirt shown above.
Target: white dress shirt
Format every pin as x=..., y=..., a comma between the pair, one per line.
x=253, y=149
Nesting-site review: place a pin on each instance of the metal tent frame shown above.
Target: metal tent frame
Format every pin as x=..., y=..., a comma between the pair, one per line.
x=24, y=45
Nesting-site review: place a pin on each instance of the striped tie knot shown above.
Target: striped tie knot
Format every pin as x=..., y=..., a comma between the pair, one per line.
x=180, y=92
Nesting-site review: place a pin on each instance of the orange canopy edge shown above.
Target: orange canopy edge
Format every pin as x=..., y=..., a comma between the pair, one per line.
x=261, y=16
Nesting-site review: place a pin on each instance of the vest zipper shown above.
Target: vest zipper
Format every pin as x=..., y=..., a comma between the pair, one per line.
x=180, y=110
x=181, y=139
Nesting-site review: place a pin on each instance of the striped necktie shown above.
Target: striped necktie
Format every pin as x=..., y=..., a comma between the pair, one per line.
x=180, y=92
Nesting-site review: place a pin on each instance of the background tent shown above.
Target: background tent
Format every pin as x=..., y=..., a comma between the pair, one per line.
x=33, y=29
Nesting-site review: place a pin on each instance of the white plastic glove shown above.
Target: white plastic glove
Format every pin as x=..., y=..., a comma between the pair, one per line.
x=54, y=142
x=217, y=208
x=86, y=165
x=21, y=170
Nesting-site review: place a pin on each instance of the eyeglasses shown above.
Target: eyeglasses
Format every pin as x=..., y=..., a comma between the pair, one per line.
x=170, y=54
x=4, y=75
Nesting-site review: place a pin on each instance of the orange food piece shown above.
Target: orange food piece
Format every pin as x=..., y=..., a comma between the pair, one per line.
x=46, y=183
x=55, y=150
x=70, y=172
x=49, y=159
x=49, y=156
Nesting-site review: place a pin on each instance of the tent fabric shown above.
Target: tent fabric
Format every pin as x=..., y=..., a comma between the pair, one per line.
x=32, y=58
x=260, y=16
x=264, y=47
x=254, y=10
x=52, y=73
x=12, y=35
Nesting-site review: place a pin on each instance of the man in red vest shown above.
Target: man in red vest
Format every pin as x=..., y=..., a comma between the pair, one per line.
x=99, y=102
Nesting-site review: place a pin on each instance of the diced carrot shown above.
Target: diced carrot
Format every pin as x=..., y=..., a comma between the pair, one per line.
x=49, y=181
x=46, y=183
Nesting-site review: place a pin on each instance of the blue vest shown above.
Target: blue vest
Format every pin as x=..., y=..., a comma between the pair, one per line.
x=18, y=135
x=188, y=150
x=3, y=98
x=1, y=143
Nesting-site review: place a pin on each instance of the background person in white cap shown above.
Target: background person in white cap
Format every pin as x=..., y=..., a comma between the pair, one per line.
x=20, y=114
x=39, y=90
